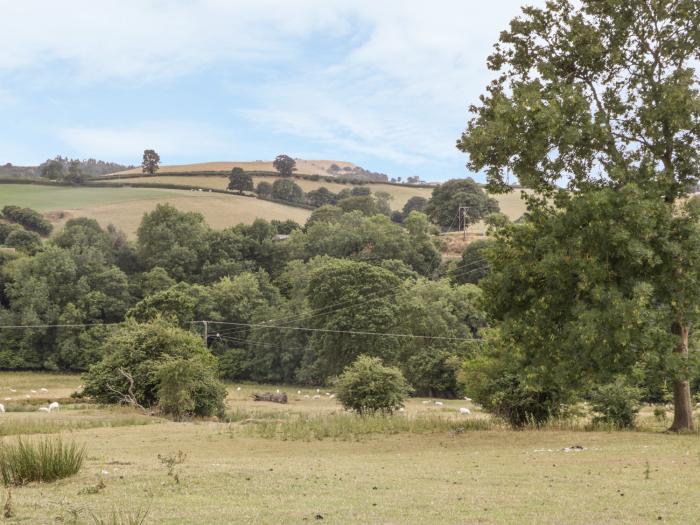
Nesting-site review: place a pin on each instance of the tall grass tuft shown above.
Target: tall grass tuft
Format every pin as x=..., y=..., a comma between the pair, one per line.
x=43, y=460
x=122, y=517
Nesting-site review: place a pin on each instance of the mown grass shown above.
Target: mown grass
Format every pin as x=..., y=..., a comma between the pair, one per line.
x=45, y=460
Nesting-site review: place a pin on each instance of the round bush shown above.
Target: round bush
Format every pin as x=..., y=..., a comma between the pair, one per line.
x=367, y=386
x=616, y=403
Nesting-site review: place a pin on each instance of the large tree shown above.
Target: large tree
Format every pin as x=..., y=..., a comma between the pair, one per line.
x=598, y=94
x=285, y=164
x=150, y=162
x=240, y=180
x=443, y=208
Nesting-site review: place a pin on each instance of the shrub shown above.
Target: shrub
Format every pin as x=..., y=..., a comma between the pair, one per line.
x=367, y=387
x=189, y=387
x=29, y=218
x=264, y=189
x=44, y=460
x=497, y=380
x=24, y=241
x=135, y=351
x=616, y=403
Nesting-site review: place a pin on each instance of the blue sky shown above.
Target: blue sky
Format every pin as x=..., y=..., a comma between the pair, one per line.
x=384, y=84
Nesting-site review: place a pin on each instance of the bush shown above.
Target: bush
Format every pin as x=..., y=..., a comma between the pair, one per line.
x=616, y=403
x=189, y=387
x=44, y=460
x=24, y=241
x=498, y=381
x=264, y=189
x=30, y=219
x=368, y=387
x=137, y=350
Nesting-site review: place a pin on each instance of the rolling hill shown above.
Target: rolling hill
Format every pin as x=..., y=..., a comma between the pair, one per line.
x=310, y=167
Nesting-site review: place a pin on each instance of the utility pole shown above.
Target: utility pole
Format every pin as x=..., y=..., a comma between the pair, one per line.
x=205, y=335
x=463, y=220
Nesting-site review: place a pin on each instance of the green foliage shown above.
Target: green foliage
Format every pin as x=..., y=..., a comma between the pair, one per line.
x=562, y=106
x=23, y=241
x=30, y=219
x=443, y=206
x=240, y=181
x=264, y=189
x=136, y=350
x=474, y=265
x=415, y=203
x=285, y=165
x=616, y=403
x=150, y=162
x=44, y=460
x=326, y=213
x=285, y=227
x=321, y=197
x=52, y=170
x=367, y=386
x=589, y=292
x=174, y=240
x=189, y=386
x=362, y=203
x=287, y=190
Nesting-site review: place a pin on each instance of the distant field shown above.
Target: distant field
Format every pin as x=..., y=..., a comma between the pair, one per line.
x=311, y=167
x=124, y=207
x=511, y=204
x=233, y=473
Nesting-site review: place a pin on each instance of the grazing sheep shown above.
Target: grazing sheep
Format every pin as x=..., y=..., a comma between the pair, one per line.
x=402, y=409
x=238, y=389
x=438, y=403
x=317, y=396
x=12, y=390
x=467, y=398
x=278, y=390
x=307, y=396
x=27, y=396
x=318, y=390
x=425, y=402
x=298, y=392
x=464, y=410
x=43, y=409
x=43, y=390
x=54, y=406
x=2, y=408
x=332, y=396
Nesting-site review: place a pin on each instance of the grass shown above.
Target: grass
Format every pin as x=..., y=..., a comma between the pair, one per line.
x=308, y=458
x=45, y=460
x=124, y=207
x=303, y=166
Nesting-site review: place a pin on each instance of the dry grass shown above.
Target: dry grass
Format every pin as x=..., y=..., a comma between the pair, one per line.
x=124, y=207
x=388, y=475
x=310, y=167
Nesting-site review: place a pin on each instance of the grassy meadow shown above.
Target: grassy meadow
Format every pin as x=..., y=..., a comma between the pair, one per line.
x=309, y=461
x=310, y=167
x=124, y=207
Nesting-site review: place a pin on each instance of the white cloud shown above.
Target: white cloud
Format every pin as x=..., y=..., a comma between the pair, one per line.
x=397, y=88
x=167, y=138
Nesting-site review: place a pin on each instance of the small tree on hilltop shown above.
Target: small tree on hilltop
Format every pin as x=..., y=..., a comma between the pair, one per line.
x=150, y=161
x=52, y=170
x=75, y=173
x=285, y=164
x=368, y=387
x=240, y=180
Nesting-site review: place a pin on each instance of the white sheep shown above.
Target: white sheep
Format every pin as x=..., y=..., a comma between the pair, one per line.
x=438, y=403
x=464, y=410
x=298, y=392
x=238, y=389
x=33, y=391
x=43, y=409
x=12, y=390
x=328, y=393
x=317, y=396
x=467, y=398
x=425, y=402
x=331, y=396
x=307, y=396
x=402, y=409
x=2, y=408
x=43, y=390
x=278, y=390
x=54, y=406
x=318, y=390
x=8, y=399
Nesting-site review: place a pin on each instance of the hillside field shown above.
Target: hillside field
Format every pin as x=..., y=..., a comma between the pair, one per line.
x=310, y=167
x=124, y=207
x=247, y=472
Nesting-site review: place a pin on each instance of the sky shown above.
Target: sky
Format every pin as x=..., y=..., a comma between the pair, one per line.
x=384, y=84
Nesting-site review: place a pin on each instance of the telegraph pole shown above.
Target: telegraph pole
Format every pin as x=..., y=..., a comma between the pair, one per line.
x=463, y=221
x=205, y=335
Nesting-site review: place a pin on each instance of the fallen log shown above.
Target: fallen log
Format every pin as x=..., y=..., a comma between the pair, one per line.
x=269, y=396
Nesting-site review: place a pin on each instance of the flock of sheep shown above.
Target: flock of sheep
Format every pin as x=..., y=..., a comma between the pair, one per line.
x=50, y=408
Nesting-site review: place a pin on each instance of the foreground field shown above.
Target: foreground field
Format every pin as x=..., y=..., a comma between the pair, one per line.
x=124, y=207
x=232, y=474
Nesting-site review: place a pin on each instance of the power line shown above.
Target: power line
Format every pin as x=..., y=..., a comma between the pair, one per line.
x=74, y=325
x=351, y=332
x=369, y=298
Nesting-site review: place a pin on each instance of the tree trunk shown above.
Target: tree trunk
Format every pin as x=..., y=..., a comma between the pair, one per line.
x=682, y=405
